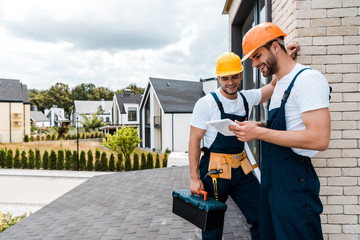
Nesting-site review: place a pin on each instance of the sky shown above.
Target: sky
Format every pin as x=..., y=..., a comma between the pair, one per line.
x=110, y=43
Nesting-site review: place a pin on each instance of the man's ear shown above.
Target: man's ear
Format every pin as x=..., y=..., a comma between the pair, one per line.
x=241, y=74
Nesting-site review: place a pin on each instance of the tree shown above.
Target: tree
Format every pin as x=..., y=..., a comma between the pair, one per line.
x=125, y=140
x=37, y=98
x=31, y=159
x=68, y=159
x=90, y=164
x=119, y=166
x=112, y=162
x=150, y=161
x=127, y=162
x=97, y=160
x=134, y=89
x=157, y=162
x=2, y=157
x=60, y=95
x=84, y=91
x=9, y=159
x=37, y=159
x=143, y=161
x=136, y=161
x=60, y=161
x=104, y=162
x=82, y=162
x=24, y=163
x=102, y=93
x=74, y=159
x=52, y=163
x=17, y=159
x=93, y=121
x=45, y=161
x=165, y=160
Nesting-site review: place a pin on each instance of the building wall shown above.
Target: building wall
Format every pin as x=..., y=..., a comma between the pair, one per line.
x=17, y=131
x=176, y=131
x=26, y=119
x=328, y=32
x=5, y=122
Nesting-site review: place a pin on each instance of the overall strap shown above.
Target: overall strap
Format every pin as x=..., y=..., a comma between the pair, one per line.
x=218, y=102
x=246, y=105
x=288, y=90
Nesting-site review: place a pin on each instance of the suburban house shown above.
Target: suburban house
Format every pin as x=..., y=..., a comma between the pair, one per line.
x=329, y=36
x=56, y=116
x=83, y=107
x=15, y=111
x=125, y=111
x=38, y=118
x=166, y=109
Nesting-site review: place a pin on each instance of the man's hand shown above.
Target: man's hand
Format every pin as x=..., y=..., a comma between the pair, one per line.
x=246, y=131
x=195, y=185
x=292, y=48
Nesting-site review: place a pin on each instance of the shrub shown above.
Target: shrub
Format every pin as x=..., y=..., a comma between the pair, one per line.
x=52, y=163
x=82, y=162
x=31, y=159
x=8, y=220
x=112, y=162
x=92, y=135
x=26, y=138
x=67, y=159
x=9, y=159
x=104, y=162
x=150, y=161
x=24, y=160
x=45, y=160
x=119, y=166
x=165, y=160
x=90, y=163
x=43, y=137
x=97, y=160
x=53, y=137
x=74, y=160
x=157, y=162
x=143, y=160
x=60, y=160
x=48, y=137
x=127, y=162
x=37, y=159
x=167, y=150
x=32, y=138
x=136, y=161
x=2, y=157
x=38, y=137
x=17, y=159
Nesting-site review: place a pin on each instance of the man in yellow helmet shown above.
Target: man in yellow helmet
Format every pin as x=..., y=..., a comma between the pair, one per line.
x=225, y=102
x=298, y=127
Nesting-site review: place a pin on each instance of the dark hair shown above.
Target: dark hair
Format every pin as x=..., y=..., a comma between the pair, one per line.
x=268, y=45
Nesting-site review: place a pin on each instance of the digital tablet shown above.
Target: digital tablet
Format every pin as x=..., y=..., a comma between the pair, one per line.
x=222, y=126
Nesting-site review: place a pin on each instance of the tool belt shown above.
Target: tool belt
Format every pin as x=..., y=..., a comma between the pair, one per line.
x=227, y=161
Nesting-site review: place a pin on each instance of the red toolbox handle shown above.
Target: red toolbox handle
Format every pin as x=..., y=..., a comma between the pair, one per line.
x=203, y=192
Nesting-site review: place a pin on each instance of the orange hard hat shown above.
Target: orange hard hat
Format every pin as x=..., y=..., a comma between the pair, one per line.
x=228, y=64
x=258, y=36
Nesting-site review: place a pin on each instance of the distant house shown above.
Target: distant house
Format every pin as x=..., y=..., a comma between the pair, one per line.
x=125, y=111
x=15, y=111
x=83, y=107
x=56, y=115
x=38, y=118
x=166, y=109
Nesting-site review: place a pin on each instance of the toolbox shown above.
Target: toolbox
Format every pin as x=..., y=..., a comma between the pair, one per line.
x=205, y=213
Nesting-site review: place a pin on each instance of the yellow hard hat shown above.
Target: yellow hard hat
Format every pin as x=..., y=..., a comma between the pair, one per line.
x=258, y=36
x=228, y=64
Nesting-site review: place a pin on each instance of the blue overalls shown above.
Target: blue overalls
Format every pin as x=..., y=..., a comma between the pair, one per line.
x=289, y=206
x=243, y=189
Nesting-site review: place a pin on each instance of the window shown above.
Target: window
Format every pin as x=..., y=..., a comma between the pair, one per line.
x=16, y=115
x=132, y=114
x=107, y=119
x=16, y=123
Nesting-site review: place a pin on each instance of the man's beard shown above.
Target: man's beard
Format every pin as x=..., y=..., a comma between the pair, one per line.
x=272, y=66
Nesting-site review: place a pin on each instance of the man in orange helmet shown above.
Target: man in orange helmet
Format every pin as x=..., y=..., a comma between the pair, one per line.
x=298, y=127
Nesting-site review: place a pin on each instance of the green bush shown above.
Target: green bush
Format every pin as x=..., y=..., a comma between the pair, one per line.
x=48, y=137
x=82, y=162
x=26, y=138
x=9, y=159
x=2, y=157
x=31, y=159
x=157, y=162
x=90, y=163
x=32, y=138
x=53, y=137
x=52, y=163
x=8, y=220
x=38, y=137
x=45, y=160
x=68, y=159
x=119, y=166
x=143, y=160
x=60, y=160
x=136, y=161
x=127, y=162
x=150, y=161
x=104, y=162
x=37, y=159
x=24, y=160
x=17, y=159
x=112, y=162
x=167, y=151
x=74, y=160
x=165, y=160
x=97, y=160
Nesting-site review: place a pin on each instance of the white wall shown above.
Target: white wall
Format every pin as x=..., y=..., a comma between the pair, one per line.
x=179, y=125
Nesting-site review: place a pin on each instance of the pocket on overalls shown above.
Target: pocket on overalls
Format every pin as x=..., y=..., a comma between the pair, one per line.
x=218, y=161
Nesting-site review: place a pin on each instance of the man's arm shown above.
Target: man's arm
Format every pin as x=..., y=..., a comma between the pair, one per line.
x=196, y=134
x=316, y=136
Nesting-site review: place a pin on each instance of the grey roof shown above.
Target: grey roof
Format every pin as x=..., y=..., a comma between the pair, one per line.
x=126, y=205
x=127, y=98
x=38, y=116
x=12, y=90
x=88, y=107
x=177, y=96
